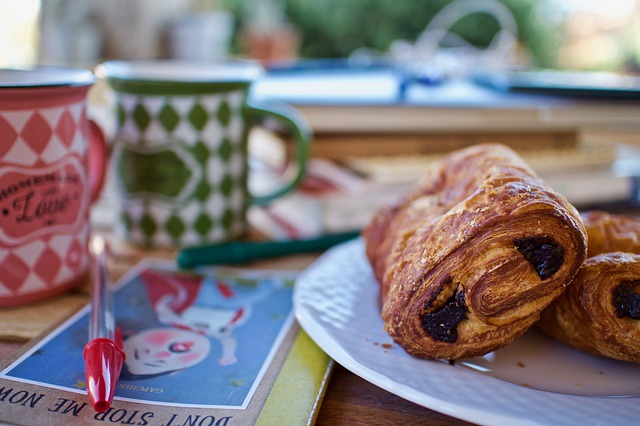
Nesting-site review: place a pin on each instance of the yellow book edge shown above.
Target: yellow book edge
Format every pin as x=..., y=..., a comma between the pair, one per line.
x=306, y=371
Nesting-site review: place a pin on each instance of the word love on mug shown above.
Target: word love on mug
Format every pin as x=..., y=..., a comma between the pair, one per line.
x=32, y=204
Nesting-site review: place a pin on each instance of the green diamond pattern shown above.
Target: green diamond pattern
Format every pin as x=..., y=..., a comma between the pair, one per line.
x=226, y=186
x=227, y=219
x=198, y=116
x=141, y=117
x=201, y=152
x=203, y=224
x=168, y=117
x=225, y=149
x=202, y=191
x=175, y=227
x=224, y=113
x=148, y=225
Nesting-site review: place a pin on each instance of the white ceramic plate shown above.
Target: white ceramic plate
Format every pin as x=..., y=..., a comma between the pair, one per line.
x=533, y=381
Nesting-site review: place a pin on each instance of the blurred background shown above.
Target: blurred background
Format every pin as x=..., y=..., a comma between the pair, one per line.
x=563, y=34
x=376, y=131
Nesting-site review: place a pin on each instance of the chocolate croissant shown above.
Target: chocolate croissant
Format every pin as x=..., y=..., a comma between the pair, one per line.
x=471, y=255
x=600, y=311
x=608, y=232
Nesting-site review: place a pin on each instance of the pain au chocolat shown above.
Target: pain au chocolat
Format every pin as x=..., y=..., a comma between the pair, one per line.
x=600, y=311
x=469, y=257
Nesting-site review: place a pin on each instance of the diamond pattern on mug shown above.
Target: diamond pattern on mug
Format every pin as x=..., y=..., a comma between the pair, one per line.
x=213, y=127
x=195, y=223
x=36, y=132
x=226, y=186
x=175, y=227
x=173, y=113
x=186, y=133
x=21, y=140
x=48, y=264
x=34, y=284
x=200, y=152
x=30, y=253
x=21, y=154
x=198, y=117
x=71, y=250
x=203, y=224
x=168, y=118
x=216, y=170
x=211, y=103
x=181, y=104
x=52, y=117
x=79, y=143
x=43, y=263
x=15, y=272
x=75, y=255
x=210, y=131
x=224, y=113
x=202, y=192
x=141, y=117
x=66, y=128
x=148, y=225
x=215, y=206
x=55, y=151
x=8, y=136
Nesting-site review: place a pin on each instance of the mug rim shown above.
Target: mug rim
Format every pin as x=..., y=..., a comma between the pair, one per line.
x=44, y=76
x=180, y=71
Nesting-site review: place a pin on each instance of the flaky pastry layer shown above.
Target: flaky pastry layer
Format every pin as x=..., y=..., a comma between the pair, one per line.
x=600, y=311
x=471, y=255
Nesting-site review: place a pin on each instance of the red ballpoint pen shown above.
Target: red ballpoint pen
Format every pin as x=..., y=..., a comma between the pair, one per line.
x=103, y=355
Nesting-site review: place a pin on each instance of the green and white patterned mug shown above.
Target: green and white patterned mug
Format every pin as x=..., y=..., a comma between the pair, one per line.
x=180, y=154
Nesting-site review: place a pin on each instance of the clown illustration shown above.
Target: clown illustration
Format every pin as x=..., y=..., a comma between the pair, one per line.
x=192, y=309
x=161, y=350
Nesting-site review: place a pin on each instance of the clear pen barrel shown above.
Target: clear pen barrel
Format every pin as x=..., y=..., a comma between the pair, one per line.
x=101, y=320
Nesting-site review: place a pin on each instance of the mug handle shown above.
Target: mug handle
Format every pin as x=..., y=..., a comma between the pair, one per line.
x=97, y=159
x=300, y=129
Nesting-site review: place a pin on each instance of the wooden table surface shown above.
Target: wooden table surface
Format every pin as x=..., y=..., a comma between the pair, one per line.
x=349, y=399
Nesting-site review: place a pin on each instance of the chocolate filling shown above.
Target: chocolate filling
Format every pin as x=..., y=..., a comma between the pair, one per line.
x=626, y=300
x=543, y=253
x=442, y=323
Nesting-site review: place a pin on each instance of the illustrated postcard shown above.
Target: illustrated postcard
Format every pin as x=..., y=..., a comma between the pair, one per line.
x=201, y=348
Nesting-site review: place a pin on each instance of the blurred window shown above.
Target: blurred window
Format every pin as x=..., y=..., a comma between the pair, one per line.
x=566, y=34
x=18, y=32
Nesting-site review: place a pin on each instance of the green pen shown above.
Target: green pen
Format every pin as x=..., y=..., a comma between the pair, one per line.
x=238, y=252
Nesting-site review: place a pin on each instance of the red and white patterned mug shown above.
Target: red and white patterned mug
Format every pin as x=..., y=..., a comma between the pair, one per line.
x=52, y=166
